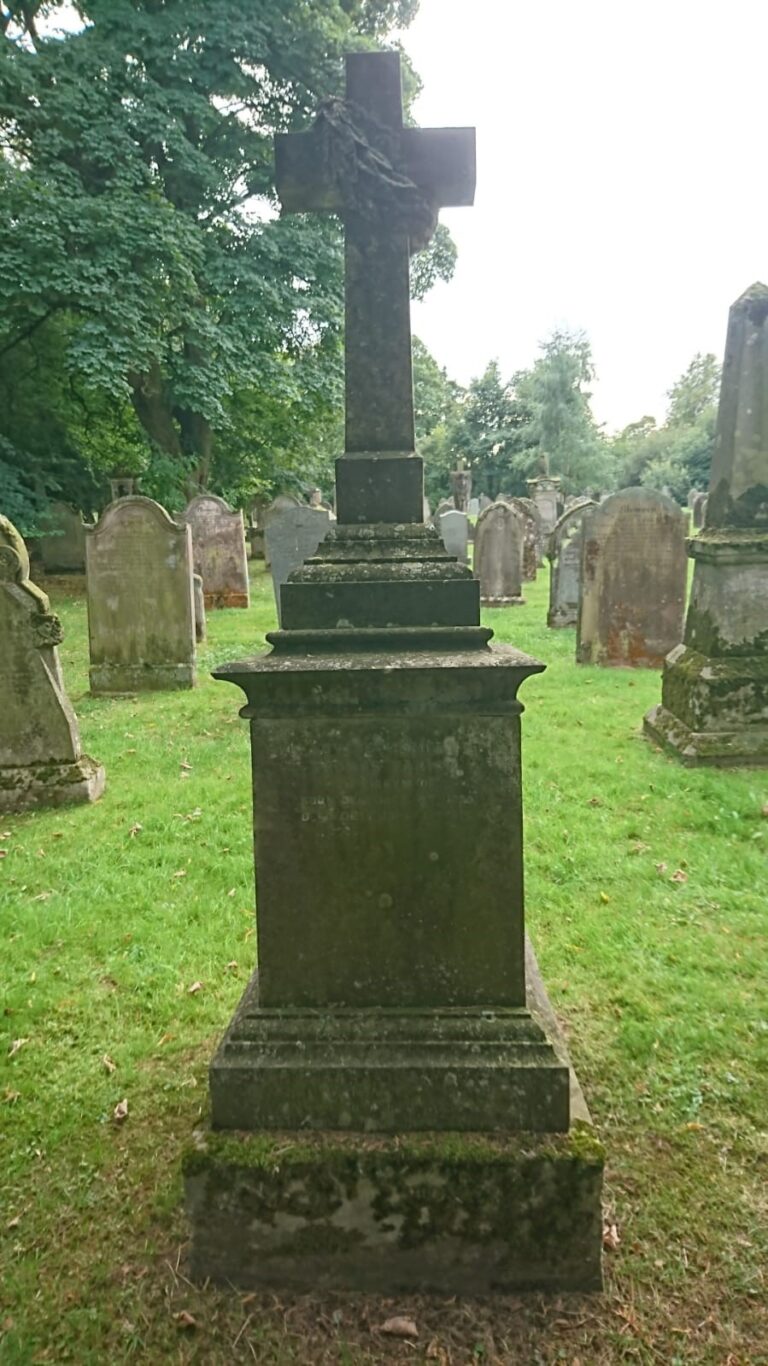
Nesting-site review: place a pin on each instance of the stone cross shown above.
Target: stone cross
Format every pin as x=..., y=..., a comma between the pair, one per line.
x=387, y=182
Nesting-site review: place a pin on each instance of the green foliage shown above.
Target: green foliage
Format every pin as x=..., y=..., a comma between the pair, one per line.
x=677, y=455
x=141, y=225
x=562, y=427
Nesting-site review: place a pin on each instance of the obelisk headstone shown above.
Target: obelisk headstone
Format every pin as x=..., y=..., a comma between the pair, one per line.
x=714, y=692
x=41, y=762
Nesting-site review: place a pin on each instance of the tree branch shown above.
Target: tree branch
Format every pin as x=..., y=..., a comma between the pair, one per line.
x=28, y=331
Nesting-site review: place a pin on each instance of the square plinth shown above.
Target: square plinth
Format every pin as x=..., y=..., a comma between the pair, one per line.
x=380, y=488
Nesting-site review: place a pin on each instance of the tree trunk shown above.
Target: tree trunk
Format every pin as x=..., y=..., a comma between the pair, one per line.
x=153, y=408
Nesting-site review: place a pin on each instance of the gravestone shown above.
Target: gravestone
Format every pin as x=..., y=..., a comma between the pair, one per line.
x=698, y=510
x=445, y=505
x=564, y=555
x=141, y=612
x=454, y=533
x=198, y=598
x=41, y=762
x=473, y=508
x=61, y=547
x=498, y=561
x=484, y=502
x=218, y=551
x=394, y=1006
x=714, y=690
x=291, y=537
x=544, y=492
x=283, y=502
x=633, y=580
x=533, y=537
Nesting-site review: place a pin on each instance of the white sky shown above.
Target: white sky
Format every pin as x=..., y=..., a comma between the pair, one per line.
x=622, y=181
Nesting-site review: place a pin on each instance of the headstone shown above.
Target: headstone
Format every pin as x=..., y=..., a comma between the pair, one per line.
x=474, y=507
x=198, y=598
x=454, y=532
x=714, y=691
x=445, y=505
x=692, y=494
x=283, y=502
x=141, y=613
x=484, y=502
x=564, y=555
x=633, y=580
x=290, y=539
x=698, y=510
x=393, y=994
x=544, y=492
x=461, y=487
x=533, y=535
x=41, y=762
x=218, y=551
x=498, y=561
x=61, y=547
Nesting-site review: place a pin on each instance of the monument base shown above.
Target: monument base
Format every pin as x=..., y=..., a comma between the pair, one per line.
x=54, y=784
x=131, y=678
x=450, y=1213
x=502, y=602
x=716, y=749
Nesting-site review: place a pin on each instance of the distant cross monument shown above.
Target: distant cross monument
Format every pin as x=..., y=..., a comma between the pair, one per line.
x=388, y=183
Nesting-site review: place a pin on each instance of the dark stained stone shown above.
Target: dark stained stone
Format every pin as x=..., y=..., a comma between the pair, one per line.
x=498, y=559
x=219, y=552
x=564, y=555
x=633, y=580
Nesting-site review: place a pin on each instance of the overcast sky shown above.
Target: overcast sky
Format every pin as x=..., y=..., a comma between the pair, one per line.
x=622, y=181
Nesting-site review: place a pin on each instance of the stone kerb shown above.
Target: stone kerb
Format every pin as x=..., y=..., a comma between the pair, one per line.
x=141, y=613
x=498, y=558
x=564, y=555
x=219, y=550
x=41, y=762
x=633, y=580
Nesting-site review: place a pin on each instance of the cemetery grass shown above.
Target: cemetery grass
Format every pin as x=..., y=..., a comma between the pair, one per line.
x=127, y=932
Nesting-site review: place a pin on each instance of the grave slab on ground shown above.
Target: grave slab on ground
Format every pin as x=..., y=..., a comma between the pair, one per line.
x=391, y=1104
x=41, y=762
x=714, y=691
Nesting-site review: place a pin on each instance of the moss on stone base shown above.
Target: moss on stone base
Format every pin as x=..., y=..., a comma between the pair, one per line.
x=446, y=1212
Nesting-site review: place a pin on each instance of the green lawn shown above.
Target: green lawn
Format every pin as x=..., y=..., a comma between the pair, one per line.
x=647, y=906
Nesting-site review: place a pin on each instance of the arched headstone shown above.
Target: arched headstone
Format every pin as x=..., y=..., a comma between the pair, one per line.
x=498, y=560
x=141, y=615
x=218, y=551
x=454, y=532
x=291, y=537
x=564, y=555
x=41, y=762
x=533, y=535
x=633, y=580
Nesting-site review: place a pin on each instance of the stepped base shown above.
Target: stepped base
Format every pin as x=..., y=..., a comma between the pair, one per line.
x=717, y=749
x=56, y=784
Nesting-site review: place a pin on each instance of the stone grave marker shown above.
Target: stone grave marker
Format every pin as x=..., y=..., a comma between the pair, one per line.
x=564, y=555
x=454, y=532
x=545, y=494
x=198, y=598
x=283, y=502
x=61, y=547
x=533, y=537
x=474, y=507
x=633, y=580
x=445, y=505
x=394, y=995
x=714, y=690
x=219, y=551
x=483, y=502
x=498, y=560
x=41, y=762
x=141, y=612
x=698, y=510
x=292, y=537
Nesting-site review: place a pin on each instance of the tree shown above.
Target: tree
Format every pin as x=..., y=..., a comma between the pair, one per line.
x=695, y=394
x=140, y=215
x=563, y=429
x=487, y=429
x=677, y=455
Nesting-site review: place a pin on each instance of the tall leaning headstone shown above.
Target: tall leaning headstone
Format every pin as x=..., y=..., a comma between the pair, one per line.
x=219, y=551
x=714, y=691
x=141, y=611
x=41, y=762
x=394, y=1006
x=633, y=580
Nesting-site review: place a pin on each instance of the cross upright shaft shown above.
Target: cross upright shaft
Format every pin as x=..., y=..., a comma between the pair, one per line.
x=387, y=183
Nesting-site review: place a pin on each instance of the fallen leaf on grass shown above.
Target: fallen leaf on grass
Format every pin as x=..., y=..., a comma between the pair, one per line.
x=164, y=1038
x=10, y=1097
x=14, y=1223
x=437, y=1353
x=42, y=896
x=3, y=853
x=108, y=1064
x=16, y=1047
x=185, y=1321
x=6, y=834
x=661, y=867
x=232, y=965
x=120, y=1111
x=764, y=812
x=639, y=848
x=182, y=872
x=679, y=876
x=135, y=829
x=594, y=801
x=611, y=1237
x=399, y=1327
x=195, y=987
x=604, y=897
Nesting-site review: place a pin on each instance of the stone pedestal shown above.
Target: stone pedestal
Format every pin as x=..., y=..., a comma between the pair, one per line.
x=714, y=695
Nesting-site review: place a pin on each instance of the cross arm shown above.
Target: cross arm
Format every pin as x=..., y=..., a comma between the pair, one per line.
x=441, y=161
x=302, y=181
